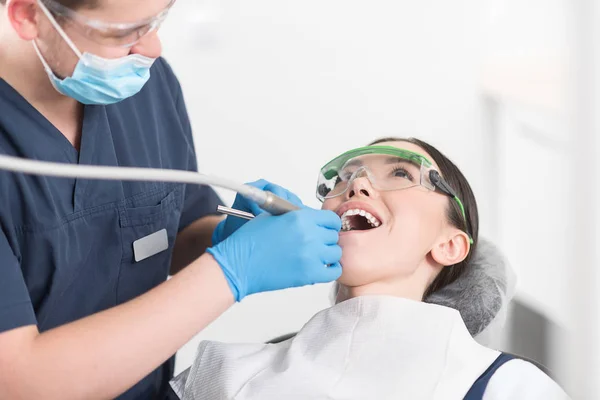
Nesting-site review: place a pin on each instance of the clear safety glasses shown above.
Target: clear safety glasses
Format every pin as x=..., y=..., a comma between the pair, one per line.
x=108, y=33
x=387, y=168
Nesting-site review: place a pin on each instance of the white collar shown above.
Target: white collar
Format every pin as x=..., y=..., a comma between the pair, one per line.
x=366, y=347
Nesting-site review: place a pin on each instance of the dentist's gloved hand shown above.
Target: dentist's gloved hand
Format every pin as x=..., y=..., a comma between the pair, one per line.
x=231, y=224
x=277, y=252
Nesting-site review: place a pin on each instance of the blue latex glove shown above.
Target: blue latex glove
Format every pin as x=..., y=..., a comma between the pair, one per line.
x=231, y=224
x=277, y=252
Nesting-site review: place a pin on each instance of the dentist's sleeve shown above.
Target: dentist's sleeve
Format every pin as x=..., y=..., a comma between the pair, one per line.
x=518, y=379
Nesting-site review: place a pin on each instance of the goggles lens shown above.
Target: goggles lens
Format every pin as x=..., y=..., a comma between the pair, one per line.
x=387, y=168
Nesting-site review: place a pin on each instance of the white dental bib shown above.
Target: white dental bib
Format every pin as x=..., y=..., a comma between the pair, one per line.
x=370, y=347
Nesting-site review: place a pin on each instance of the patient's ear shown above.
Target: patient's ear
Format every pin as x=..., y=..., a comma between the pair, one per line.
x=451, y=249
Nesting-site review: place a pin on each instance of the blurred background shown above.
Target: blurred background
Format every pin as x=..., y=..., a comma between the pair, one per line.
x=506, y=88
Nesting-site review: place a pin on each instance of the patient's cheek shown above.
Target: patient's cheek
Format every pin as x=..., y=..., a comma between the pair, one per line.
x=330, y=204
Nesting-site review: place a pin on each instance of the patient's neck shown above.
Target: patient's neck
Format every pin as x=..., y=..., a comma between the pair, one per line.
x=407, y=289
x=410, y=287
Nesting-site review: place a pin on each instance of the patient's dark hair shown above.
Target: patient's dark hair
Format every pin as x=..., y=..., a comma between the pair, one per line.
x=459, y=183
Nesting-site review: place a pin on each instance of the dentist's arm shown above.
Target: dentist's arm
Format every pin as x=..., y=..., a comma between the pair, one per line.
x=193, y=241
x=103, y=355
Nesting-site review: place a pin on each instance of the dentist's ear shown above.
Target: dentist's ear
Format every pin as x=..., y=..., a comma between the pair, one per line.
x=24, y=16
x=451, y=249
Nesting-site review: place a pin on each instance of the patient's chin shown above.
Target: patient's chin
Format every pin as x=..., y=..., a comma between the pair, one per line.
x=359, y=272
x=352, y=281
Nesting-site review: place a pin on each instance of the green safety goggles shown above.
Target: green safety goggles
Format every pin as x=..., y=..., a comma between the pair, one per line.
x=387, y=168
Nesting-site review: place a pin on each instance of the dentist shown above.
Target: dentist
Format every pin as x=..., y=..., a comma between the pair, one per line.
x=85, y=308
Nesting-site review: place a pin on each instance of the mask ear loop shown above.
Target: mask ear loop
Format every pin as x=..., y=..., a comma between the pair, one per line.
x=60, y=30
x=442, y=186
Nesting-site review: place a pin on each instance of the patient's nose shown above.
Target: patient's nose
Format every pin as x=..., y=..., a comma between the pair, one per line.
x=360, y=186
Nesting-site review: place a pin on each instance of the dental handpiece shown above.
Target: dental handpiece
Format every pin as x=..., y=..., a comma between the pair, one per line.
x=266, y=200
x=234, y=212
x=275, y=206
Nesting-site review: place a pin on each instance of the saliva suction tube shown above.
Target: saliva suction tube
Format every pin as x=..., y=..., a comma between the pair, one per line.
x=266, y=200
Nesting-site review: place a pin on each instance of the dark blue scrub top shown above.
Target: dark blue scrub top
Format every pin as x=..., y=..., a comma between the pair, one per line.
x=66, y=245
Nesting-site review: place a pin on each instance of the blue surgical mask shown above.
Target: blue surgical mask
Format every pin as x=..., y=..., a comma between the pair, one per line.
x=98, y=80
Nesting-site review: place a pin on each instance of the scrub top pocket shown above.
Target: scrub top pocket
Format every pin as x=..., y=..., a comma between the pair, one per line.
x=140, y=217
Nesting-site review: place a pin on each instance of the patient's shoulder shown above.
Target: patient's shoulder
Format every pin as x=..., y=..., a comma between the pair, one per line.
x=519, y=379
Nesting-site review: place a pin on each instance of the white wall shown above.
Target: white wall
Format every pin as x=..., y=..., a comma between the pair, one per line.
x=541, y=75
x=584, y=360
x=277, y=87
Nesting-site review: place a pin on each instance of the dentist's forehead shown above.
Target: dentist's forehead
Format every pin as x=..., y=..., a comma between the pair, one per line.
x=410, y=147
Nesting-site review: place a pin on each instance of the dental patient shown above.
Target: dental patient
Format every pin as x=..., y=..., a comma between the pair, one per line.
x=412, y=296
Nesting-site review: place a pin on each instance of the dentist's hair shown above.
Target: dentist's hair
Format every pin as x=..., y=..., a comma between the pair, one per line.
x=73, y=4
x=457, y=181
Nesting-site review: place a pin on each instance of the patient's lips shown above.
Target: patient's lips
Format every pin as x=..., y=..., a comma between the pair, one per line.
x=358, y=216
x=368, y=221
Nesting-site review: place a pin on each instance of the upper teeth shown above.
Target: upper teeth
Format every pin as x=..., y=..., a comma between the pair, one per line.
x=346, y=224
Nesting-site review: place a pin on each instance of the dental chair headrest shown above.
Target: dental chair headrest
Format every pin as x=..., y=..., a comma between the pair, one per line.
x=482, y=294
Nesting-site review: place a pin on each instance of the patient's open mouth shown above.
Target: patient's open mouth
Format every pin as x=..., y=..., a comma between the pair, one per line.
x=358, y=220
